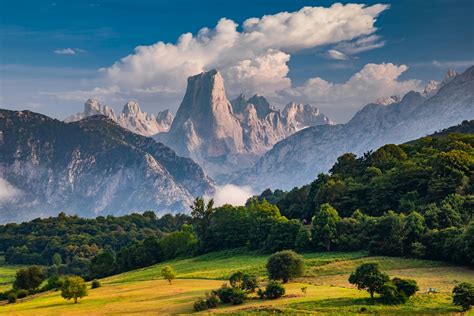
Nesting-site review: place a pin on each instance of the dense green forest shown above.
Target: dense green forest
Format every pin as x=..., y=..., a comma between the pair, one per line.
x=413, y=200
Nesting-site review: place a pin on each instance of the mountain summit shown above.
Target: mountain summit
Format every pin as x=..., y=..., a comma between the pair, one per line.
x=224, y=136
x=297, y=159
x=131, y=118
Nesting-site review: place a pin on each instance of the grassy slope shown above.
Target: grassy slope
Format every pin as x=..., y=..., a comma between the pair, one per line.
x=7, y=274
x=143, y=292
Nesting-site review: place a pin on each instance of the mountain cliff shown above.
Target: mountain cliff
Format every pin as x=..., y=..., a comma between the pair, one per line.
x=131, y=118
x=299, y=158
x=90, y=167
x=224, y=136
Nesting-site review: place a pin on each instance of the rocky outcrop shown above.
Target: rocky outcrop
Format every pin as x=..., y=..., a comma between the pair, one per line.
x=131, y=118
x=224, y=136
x=90, y=167
x=298, y=159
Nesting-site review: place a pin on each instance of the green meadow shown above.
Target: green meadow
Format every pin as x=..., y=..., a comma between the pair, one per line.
x=328, y=291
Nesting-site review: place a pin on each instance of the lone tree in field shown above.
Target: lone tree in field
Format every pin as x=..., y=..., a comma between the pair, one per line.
x=368, y=277
x=285, y=265
x=463, y=295
x=168, y=273
x=28, y=279
x=73, y=288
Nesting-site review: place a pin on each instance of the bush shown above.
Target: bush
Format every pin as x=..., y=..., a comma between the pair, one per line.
x=285, y=265
x=53, y=283
x=21, y=293
x=274, y=290
x=95, y=284
x=230, y=295
x=224, y=293
x=390, y=294
x=243, y=281
x=12, y=298
x=200, y=305
x=212, y=300
x=463, y=295
x=407, y=286
x=29, y=278
x=238, y=297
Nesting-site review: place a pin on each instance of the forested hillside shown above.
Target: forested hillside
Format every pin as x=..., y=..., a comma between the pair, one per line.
x=413, y=200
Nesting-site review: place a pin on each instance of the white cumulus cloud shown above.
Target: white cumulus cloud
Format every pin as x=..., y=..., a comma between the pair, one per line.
x=370, y=83
x=7, y=191
x=258, y=53
x=232, y=194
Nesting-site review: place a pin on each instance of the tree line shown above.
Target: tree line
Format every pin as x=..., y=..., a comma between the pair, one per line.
x=411, y=200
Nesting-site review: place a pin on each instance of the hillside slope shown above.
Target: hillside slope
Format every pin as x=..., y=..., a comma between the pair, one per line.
x=90, y=167
x=297, y=159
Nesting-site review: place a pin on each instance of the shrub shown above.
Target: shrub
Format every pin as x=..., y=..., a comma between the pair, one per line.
x=212, y=300
x=231, y=295
x=274, y=290
x=12, y=298
x=235, y=279
x=200, y=305
x=238, y=297
x=243, y=281
x=53, y=283
x=407, y=286
x=463, y=295
x=368, y=276
x=285, y=265
x=95, y=284
x=21, y=293
x=390, y=294
x=29, y=278
x=224, y=293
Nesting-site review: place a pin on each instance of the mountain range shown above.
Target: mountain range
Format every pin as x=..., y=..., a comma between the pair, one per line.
x=224, y=136
x=298, y=159
x=90, y=167
x=131, y=118
x=99, y=163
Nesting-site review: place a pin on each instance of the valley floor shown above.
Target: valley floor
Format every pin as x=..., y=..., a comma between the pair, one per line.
x=328, y=292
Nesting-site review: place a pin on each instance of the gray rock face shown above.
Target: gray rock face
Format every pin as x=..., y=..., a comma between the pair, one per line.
x=131, y=118
x=224, y=136
x=90, y=167
x=298, y=159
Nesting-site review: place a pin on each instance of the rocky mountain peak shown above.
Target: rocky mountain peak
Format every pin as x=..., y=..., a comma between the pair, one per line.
x=450, y=74
x=92, y=107
x=262, y=106
x=431, y=88
x=388, y=100
x=131, y=108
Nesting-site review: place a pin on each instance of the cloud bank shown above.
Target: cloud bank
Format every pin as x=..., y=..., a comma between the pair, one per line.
x=232, y=194
x=373, y=81
x=258, y=54
x=254, y=59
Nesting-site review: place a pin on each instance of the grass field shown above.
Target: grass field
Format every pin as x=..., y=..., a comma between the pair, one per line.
x=7, y=274
x=328, y=292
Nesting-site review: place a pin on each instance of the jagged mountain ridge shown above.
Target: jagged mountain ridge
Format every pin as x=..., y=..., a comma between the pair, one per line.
x=298, y=159
x=131, y=118
x=224, y=136
x=90, y=167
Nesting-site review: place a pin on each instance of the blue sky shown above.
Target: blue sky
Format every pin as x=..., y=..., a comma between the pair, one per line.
x=51, y=51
